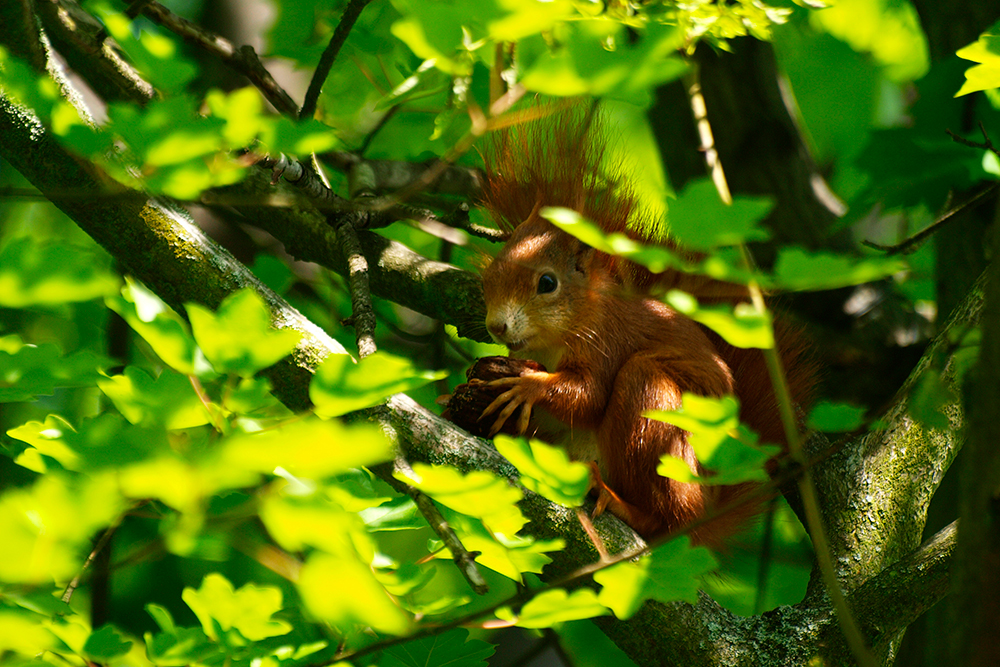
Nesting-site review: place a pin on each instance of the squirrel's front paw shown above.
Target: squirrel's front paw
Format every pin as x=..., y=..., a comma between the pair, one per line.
x=525, y=391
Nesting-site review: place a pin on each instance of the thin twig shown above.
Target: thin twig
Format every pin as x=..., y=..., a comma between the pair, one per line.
x=243, y=59
x=909, y=244
x=343, y=29
x=986, y=144
x=102, y=543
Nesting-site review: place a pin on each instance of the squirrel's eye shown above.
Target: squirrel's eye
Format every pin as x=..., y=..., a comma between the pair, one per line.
x=547, y=282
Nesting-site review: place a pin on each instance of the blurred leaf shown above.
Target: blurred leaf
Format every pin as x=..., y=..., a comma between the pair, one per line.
x=168, y=400
x=308, y=520
x=344, y=592
x=546, y=470
x=836, y=417
x=740, y=325
x=479, y=493
x=596, y=57
x=247, y=609
x=310, y=447
x=239, y=337
x=155, y=54
x=889, y=31
x=340, y=385
x=556, y=606
x=23, y=633
x=27, y=371
x=106, y=643
x=799, y=270
x=51, y=273
x=161, y=327
x=700, y=221
x=672, y=572
x=47, y=527
x=451, y=649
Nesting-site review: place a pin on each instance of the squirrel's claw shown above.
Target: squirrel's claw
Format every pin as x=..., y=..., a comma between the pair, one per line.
x=522, y=394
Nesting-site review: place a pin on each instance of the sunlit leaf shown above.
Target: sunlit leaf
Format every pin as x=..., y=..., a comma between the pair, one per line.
x=161, y=327
x=47, y=526
x=340, y=385
x=741, y=325
x=247, y=609
x=726, y=448
x=672, y=572
x=344, y=592
x=479, y=493
x=398, y=514
x=310, y=521
x=928, y=400
x=24, y=633
x=168, y=400
x=546, y=470
x=239, y=337
x=311, y=448
x=451, y=649
x=557, y=606
x=51, y=273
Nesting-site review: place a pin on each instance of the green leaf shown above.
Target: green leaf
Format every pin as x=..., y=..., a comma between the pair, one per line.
x=575, y=224
x=312, y=448
x=546, y=470
x=24, y=634
x=161, y=327
x=310, y=520
x=741, y=325
x=799, y=270
x=247, y=609
x=836, y=417
x=168, y=401
x=51, y=273
x=509, y=556
x=672, y=572
x=344, y=592
x=239, y=337
x=398, y=514
x=451, y=649
x=48, y=526
x=106, y=643
x=928, y=399
x=341, y=385
x=726, y=448
x=556, y=606
x=985, y=75
x=479, y=494
x=28, y=371
x=700, y=221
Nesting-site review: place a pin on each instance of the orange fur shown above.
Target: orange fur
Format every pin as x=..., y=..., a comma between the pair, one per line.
x=611, y=351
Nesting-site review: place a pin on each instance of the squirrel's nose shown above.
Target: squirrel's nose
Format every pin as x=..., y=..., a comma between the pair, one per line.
x=498, y=329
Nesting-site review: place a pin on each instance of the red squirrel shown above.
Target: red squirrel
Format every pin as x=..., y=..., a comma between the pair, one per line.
x=611, y=350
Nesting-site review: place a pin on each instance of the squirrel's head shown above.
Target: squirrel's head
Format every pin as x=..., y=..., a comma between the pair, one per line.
x=537, y=287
